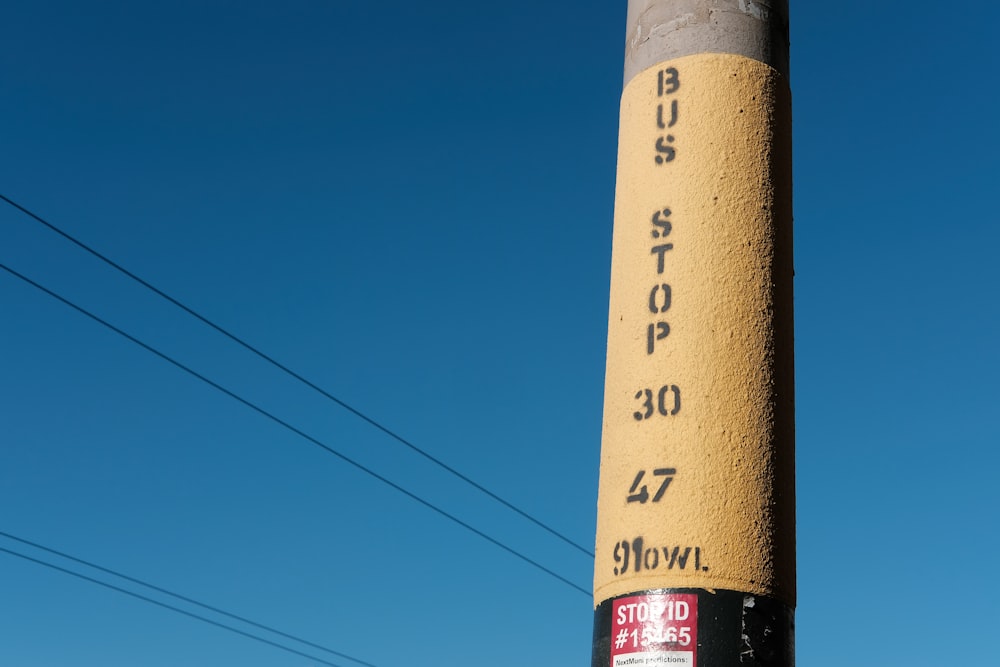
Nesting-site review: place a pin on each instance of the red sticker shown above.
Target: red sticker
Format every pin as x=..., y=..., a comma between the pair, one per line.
x=659, y=630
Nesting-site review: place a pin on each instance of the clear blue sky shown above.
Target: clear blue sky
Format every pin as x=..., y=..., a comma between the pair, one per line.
x=410, y=204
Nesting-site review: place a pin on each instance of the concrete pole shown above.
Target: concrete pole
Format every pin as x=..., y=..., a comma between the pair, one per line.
x=695, y=551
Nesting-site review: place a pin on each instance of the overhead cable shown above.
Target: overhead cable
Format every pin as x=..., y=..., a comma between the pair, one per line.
x=171, y=607
x=297, y=431
x=300, y=378
x=183, y=598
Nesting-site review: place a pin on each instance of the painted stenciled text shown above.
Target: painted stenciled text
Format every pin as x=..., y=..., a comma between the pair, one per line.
x=660, y=295
x=639, y=492
x=667, y=82
x=636, y=556
x=667, y=402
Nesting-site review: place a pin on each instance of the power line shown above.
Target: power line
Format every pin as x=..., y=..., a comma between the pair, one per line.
x=300, y=378
x=178, y=610
x=297, y=431
x=184, y=598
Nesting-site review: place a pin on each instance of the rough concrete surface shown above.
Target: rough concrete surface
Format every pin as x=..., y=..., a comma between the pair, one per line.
x=659, y=30
x=699, y=384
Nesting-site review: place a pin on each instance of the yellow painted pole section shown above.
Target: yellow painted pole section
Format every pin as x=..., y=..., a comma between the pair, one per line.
x=697, y=469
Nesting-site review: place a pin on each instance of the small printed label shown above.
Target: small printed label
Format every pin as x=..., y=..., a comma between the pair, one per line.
x=659, y=630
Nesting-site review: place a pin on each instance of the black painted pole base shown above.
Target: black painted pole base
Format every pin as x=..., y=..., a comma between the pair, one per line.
x=693, y=627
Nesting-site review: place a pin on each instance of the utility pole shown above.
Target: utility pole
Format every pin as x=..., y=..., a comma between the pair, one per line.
x=695, y=550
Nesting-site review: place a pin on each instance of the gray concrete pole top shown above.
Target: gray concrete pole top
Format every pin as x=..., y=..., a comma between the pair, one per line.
x=659, y=30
